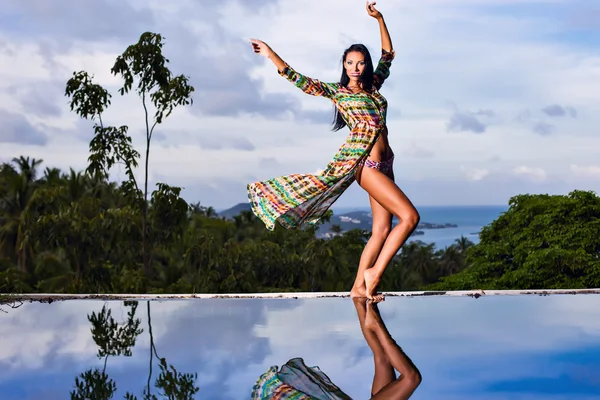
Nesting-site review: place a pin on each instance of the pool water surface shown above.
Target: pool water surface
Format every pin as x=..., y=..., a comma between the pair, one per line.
x=496, y=347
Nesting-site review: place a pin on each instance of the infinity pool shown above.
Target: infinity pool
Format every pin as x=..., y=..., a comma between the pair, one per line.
x=493, y=347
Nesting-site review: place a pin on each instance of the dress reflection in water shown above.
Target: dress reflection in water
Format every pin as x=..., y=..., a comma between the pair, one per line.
x=295, y=380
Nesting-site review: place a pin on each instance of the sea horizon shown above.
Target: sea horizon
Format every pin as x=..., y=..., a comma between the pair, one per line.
x=344, y=209
x=469, y=220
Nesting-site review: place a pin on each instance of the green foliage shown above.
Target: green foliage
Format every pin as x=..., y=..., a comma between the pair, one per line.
x=111, y=338
x=93, y=385
x=144, y=65
x=145, y=62
x=80, y=233
x=541, y=242
x=88, y=100
x=174, y=385
x=168, y=214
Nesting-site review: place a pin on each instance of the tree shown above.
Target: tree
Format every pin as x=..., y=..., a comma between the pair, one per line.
x=118, y=339
x=541, y=242
x=144, y=67
x=16, y=191
x=335, y=228
x=82, y=234
x=113, y=339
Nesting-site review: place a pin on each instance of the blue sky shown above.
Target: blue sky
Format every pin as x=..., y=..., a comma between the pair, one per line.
x=488, y=98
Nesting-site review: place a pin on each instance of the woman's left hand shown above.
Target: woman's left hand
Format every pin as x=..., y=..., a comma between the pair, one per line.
x=372, y=10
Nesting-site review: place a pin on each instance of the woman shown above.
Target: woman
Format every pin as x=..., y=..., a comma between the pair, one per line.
x=366, y=157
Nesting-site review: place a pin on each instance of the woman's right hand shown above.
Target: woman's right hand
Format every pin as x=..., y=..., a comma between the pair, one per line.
x=261, y=47
x=372, y=11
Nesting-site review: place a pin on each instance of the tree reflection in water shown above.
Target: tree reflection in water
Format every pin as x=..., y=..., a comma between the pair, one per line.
x=114, y=340
x=296, y=380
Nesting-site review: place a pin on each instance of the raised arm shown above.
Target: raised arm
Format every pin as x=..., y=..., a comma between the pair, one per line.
x=308, y=85
x=386, y=42
x=382, y=71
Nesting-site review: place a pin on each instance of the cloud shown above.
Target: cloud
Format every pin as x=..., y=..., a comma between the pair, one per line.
x=533, y=173
x=237, y=95
x=413, y=150
x=220, y=65
x=41, y=99
x=586, y=17
x=592, y=171
x=269, y=163
x=485, y=113
x=220, y=193
x=474, y=174
x=531, y=56
x=468, y=121
x=315, y=116
x=523, y=116
x=17, y=129
x=558, y=111
x=226, y=142
x=75, y=21
x=223, y=87
x=543, y=128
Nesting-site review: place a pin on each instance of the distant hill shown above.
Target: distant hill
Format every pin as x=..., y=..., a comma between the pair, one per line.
x=235, y=210
x=347, y=221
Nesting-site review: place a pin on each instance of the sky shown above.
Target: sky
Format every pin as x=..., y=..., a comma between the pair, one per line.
x=526, y=347
x=487, y=98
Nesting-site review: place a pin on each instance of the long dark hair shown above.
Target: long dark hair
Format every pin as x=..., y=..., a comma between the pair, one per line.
x=366, y=79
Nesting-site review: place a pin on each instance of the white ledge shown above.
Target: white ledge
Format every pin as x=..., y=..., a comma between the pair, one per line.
x=50, y=297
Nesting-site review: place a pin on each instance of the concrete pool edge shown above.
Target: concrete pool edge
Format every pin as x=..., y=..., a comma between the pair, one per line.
x=51, y=297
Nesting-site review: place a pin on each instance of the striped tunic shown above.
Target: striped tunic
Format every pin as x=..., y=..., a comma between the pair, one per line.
x=296, y=199
x=296, y=381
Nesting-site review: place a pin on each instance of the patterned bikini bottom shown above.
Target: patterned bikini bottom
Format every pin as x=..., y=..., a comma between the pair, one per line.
x=383, y=166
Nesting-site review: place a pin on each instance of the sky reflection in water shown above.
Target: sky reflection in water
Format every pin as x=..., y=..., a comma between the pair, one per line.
x=525, y=347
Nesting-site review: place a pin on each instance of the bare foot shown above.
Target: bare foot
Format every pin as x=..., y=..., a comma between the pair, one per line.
x=358, y=291
x=371, y=317
x=361, y=292
x=371, y=282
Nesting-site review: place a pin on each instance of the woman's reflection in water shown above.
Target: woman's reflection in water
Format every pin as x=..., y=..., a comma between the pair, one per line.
x=387, y=356
x=295, y=380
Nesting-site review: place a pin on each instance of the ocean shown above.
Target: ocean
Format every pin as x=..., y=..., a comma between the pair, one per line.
x=470, y=220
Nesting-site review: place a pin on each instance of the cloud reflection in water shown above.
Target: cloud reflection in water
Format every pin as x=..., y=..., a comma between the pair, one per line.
x=529, y=347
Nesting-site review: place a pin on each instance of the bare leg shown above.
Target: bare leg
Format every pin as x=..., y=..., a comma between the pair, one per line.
x=387, y=194
x=384, y=371
x=382, y=224
x=410, y=377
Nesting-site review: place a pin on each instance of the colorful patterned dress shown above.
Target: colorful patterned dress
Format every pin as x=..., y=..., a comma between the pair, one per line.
x=296, y=381
x=296, y=199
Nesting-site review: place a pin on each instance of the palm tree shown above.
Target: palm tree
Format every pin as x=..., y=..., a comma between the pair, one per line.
x=51, y=177
x=451, y=260
x=19, y=186
x=335, y=228
x=463, y=244
x=419, y=257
